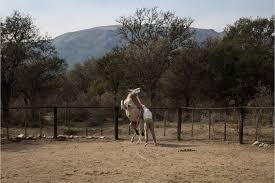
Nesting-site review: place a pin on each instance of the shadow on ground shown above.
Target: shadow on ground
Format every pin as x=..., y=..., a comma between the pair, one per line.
x=177, y=145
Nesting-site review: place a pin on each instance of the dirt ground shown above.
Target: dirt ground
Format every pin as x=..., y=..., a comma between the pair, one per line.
x=107, y=161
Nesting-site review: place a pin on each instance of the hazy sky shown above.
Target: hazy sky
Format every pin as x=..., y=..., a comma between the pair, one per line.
x=59, y=16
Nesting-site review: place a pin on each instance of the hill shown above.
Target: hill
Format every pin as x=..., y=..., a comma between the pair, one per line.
x=76, y=47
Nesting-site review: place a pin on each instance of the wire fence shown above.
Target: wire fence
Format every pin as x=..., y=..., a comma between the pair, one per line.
x=237, y=124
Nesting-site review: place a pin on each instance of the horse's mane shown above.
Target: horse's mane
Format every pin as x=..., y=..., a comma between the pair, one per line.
x=133, y=96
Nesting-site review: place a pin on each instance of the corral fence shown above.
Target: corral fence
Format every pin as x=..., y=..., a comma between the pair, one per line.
x=242, y=124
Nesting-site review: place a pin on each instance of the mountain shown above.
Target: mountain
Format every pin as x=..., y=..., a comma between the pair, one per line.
x=202, y=34
x=76, y=47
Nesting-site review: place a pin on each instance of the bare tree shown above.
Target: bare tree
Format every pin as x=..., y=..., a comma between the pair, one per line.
x=148, y=25
x=152, y=35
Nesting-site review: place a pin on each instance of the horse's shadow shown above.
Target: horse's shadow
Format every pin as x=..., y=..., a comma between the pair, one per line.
x=176, y=145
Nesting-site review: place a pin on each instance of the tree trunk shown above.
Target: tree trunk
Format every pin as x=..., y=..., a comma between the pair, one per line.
x=115, y=98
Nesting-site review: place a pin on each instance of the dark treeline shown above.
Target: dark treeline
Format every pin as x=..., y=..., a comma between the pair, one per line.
x=161, y=57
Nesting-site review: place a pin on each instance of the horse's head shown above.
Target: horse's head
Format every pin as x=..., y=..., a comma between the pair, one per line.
x=133, y=91
x=128, y=102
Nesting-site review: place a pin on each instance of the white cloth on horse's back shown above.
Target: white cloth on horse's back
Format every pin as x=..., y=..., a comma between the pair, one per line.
x=147, y=114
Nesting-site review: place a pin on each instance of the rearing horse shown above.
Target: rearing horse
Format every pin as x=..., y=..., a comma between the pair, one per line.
x=134, y=113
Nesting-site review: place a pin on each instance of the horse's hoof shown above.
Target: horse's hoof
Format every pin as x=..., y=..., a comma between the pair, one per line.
x=146, y=144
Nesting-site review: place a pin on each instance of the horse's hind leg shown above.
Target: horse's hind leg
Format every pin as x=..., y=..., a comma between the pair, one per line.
x=140, y=129
x=133, y=137
x=152, y=130
x=134, y=127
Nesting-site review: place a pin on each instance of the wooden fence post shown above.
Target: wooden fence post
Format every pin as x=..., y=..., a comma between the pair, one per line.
x=55, y=122
x=213, y=123
x=69, y=119
x=257, y=123
x=209, y=124
x=225, y=121
x=25, y=125
x=165, y=120
x=40, y=121
x=164, y=124
x=101, y=130
x=241, y=125
x=179, y=124
x=116, y=111
x=102, y=122
x=237, y=119
x=66, y=114
x=273, y=119
x=7, y=118
x=192, y=122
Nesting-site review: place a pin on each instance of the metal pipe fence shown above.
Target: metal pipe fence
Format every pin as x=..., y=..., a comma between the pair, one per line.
x=243, y=124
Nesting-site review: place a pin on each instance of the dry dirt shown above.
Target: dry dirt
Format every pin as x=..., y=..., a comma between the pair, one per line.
x=122, y=161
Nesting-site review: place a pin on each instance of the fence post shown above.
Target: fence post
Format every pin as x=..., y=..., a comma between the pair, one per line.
x=25, y=125
x=7, y=118
x=179, y=124
x=66, y=115
x=102, y=122
x=69, y=119
x=225, y=120
x=55, y=122
x=164, y=123
x=273, y=119
x=40, y=121
x=164, y=127
x=192, y=122
x=209, y=124
x=257, y=123
x=241, y=125
x=235, y=118
x=116, y=111
x=213, y=123
x=101, y=130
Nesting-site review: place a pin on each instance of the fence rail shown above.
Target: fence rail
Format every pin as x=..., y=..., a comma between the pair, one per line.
x=240, y=110
x=109, y=107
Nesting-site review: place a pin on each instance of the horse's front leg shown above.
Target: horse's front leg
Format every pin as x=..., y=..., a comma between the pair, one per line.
x=134, y=127
x=140, y=128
